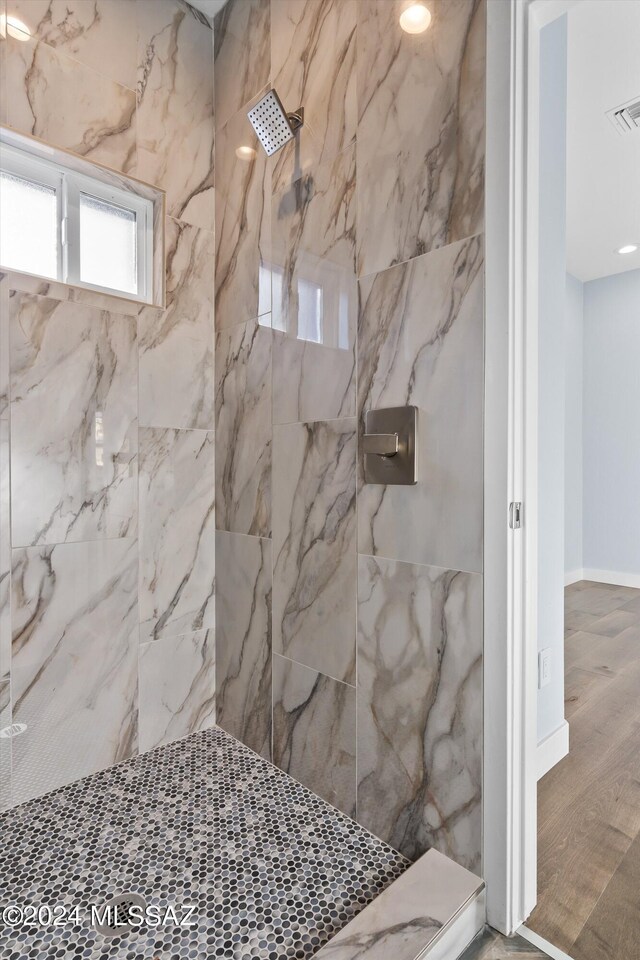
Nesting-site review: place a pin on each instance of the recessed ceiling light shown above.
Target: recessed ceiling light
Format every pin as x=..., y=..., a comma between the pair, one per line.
x=245, y=153
x=415, y=19
x=628, y=248
x=15, y=28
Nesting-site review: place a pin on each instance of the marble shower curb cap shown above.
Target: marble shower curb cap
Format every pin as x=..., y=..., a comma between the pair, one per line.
x=408, y=918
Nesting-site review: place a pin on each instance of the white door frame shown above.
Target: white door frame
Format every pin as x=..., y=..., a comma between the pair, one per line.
x=511, y=422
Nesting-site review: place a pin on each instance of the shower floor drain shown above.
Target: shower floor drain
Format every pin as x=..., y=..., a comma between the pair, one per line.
x=116, y=916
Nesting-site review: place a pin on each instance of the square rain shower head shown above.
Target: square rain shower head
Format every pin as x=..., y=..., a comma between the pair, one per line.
x=270, y=121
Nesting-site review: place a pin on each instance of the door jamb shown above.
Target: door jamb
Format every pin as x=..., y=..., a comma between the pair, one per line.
x=510, y=459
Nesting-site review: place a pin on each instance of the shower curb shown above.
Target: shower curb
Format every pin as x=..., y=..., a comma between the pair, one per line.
x=432, y=912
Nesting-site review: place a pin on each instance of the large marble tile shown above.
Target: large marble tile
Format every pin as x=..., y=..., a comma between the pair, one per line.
x=69, y=105
x=242, y=54
x=73, y=417
x=420, y=131
x=101, y=34
x=315, y=294
x=3, y=69
x=420, y=708
x=5, y=745
x=313, y=65
x=408, y=916
x=314, y=543
x=177, y=532
x=243, y=639
x=5, y=552
x=177, y=688
x=314, y=731
x=175, y=107
x=421, y=342
x=243, y=429
x=4, y=343
x=75, y=661
x=176, y=347
x=243, y=225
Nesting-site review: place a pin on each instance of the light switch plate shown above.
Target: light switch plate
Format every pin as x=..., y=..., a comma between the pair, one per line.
x=544, y=667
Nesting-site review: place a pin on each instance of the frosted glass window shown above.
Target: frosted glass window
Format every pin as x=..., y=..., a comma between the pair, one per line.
x=76, y=224
x=108, y=245
x=28, y=226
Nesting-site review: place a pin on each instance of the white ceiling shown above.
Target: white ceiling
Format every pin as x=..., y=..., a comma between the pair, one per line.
x=603, y=166
x=210, y=7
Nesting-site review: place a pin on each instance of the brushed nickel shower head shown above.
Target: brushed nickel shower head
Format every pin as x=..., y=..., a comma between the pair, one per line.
x=272, y=124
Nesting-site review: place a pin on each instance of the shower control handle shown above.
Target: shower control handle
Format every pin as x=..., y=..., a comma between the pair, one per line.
x=382, y=444
x=389, y=446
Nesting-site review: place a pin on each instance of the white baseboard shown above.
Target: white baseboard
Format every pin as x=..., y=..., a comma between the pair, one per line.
x=552, y=749
x=603, y=576
x=610, y=576
x=554, y=952
x=573, y=576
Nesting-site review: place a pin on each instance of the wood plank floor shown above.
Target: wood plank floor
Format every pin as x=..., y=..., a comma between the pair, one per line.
x=589, y=803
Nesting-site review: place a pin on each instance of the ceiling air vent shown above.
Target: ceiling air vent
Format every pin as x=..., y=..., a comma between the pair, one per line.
x=626, y=117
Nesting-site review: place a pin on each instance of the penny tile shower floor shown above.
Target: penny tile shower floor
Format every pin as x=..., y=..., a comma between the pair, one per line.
x=272, y=870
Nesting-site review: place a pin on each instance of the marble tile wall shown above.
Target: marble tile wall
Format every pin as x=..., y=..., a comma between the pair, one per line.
x=74, y=663
x=65, y=103
x=313, y=254
x=243, y=428
x=74, y=422
x=177, y=532
x=421, y=341
x=243, y=222
x=419, y=707
x=175, y=130
x=107, y=411
x=176, y=694
x=314, y=542
x=313, y=64
x=243, y=638
x=5, y=552
x=314, y=731
x=3, y=69
x=349, y=275
x=176, y=354
x=420, y=171
x=5, y=745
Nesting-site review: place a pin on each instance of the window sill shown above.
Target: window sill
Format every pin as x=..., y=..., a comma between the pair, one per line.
x=106, y=176
x=43, y=287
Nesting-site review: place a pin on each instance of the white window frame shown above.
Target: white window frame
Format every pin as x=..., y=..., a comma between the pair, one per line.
x=28, y=169
x=69, y=184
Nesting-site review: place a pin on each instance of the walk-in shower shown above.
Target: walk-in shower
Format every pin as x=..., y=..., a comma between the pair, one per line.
x=241, y=678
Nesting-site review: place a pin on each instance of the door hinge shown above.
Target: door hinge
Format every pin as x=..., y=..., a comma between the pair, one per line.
x=515, y=515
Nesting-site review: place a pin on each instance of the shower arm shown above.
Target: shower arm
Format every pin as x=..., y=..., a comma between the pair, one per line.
x=296, y=119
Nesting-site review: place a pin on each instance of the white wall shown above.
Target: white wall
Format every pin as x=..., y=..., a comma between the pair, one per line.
x=611, y=427
x=573, y=420
x=552, y=306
